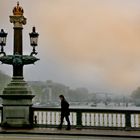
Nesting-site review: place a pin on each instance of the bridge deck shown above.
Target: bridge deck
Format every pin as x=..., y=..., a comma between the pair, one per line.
x=73, y=132
x=51, y=137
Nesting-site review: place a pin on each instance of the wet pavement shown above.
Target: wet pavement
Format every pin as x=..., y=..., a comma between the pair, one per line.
x=50, y=137
x=73, y=134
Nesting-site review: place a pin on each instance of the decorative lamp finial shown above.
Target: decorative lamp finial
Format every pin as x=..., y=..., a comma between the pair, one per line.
x=34, y=29
x=17, y=3
x=18, y=10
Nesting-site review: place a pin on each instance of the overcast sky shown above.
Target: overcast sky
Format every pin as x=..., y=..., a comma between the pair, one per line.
x=82, y=43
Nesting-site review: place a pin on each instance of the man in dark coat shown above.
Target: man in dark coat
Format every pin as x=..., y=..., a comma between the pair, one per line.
x=64, y=112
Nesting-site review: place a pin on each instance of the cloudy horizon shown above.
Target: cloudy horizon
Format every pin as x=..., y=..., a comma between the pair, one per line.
x=82, y=43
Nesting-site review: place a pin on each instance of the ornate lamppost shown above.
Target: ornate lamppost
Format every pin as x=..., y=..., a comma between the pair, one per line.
x=3, y=36
x=17, y=96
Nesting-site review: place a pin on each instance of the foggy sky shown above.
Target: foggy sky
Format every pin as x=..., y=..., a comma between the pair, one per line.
x=89, y=43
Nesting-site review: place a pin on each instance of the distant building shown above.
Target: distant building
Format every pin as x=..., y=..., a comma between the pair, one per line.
x=48, y=91
x=53, y=90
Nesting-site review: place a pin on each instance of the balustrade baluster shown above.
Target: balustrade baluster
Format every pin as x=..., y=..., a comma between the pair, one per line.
x=38, y=113
x=35, y=117
x=98, y=116
x=55, y=118
x=92, y=122
x=59, y=117
x=123, y=120
x=83, y=119
x=46, y=118
x=117, y=123
x=134, y=120
x=75, y=118
x=137, y=121
x=110, y=116
x=38, y=117
x=50, y=117
x=86, y=119
x=112, y=119
x=103, y=119
x=53, y=121
x=90, y=119
x=94, y=119
x=108, y=120
x=121, y=125
x=72, y=118
x=41, y=117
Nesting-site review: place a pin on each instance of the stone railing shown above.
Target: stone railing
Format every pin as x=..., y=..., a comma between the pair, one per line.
x=126, y=119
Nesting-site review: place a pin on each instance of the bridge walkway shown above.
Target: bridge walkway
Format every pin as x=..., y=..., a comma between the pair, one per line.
x=73, y=132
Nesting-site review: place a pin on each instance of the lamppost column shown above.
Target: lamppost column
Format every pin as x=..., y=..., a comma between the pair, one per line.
x=17, y=41
x=18, y=22
x=17, y=70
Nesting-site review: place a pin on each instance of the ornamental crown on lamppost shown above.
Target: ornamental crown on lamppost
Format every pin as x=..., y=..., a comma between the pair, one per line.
x=17, y=18
x=18, y=10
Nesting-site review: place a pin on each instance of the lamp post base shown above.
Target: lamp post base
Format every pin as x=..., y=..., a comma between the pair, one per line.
x=17, y=102
x=16, y=117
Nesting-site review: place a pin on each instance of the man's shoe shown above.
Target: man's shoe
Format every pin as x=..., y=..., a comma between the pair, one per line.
x=59, y=127
x=68, y=128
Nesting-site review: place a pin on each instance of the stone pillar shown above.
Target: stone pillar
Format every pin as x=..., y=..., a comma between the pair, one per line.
x=18, y=21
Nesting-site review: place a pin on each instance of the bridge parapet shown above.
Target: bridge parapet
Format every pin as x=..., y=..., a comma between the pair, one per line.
x=97, y=118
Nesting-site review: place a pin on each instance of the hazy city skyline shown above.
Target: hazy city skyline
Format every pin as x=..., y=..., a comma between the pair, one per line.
x=82, y=43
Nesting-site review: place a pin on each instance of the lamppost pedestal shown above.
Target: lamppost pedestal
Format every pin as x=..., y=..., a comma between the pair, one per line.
x=17, y=101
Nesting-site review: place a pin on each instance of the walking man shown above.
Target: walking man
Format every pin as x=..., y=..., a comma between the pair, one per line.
x=64, y=112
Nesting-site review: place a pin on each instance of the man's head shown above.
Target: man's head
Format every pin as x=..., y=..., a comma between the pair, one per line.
x=61, y=97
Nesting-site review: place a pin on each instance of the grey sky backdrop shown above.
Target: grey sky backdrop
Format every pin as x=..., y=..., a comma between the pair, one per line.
x=82, y=43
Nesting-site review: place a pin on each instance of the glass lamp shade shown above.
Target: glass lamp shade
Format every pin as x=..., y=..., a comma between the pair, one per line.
x=3, y=36
x=33, y=37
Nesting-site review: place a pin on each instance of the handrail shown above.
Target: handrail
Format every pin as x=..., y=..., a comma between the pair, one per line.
x=101, y=110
